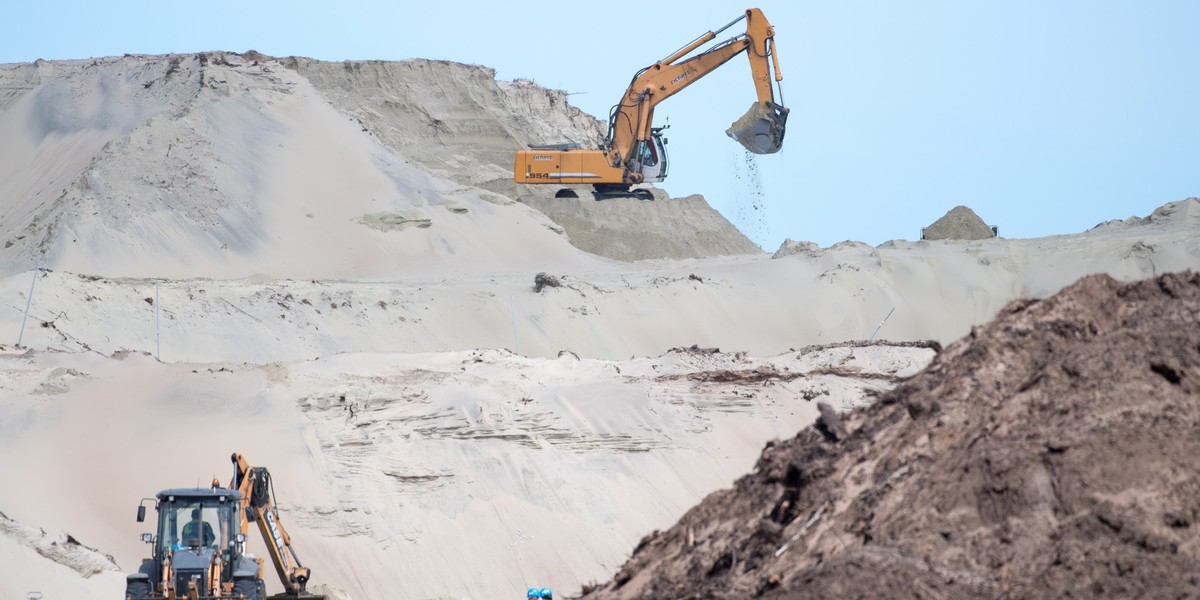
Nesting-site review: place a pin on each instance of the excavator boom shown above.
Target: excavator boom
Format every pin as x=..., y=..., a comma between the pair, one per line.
x=632, y=120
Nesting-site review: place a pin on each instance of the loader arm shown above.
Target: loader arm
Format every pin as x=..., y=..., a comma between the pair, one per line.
x=254, y=484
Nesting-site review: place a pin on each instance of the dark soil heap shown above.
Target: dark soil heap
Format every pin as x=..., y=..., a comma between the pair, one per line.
x=1053, y=453
x=961, y=223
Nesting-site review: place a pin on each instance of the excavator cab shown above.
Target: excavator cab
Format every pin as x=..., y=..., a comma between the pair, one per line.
x=652, y=157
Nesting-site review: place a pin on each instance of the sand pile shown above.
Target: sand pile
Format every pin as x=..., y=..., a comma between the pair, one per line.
x=961, y=223
x=1049, y=454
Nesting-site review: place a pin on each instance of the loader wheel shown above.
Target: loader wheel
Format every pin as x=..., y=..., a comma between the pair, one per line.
x=252, y=589
x=137, y=589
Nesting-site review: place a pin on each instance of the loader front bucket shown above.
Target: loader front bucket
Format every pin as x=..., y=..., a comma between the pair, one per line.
x=761, y=129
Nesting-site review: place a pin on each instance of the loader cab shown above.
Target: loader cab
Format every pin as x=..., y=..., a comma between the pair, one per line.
x=186, y=563
x=197, y=520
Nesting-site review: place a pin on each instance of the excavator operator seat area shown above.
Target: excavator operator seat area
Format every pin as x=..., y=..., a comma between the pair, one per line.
x=651, y=158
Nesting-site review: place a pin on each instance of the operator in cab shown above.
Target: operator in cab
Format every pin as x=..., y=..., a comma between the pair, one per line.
x=198, y=529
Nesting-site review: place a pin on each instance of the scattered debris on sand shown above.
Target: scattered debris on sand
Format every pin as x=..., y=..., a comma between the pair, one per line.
x=1049, y=453
x=542, y=281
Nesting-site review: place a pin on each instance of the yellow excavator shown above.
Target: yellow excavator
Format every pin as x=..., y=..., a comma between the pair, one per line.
x=634, y=150
x=200, y=545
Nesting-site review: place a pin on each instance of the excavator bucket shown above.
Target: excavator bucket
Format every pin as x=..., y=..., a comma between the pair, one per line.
x=761, y=129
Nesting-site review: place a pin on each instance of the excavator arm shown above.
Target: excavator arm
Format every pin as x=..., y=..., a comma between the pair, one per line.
x=254, y=483
x=633, y=151
x=632, y=119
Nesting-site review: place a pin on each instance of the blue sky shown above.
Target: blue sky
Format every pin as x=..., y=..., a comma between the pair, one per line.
x=1045, y=117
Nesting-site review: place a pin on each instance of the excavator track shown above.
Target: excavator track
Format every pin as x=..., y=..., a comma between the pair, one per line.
x=604, y=191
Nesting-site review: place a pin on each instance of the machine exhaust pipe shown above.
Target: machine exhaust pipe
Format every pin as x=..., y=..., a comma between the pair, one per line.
x=761, y=129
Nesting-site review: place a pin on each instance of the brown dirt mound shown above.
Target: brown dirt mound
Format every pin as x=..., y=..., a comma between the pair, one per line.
x=1050, y=454
x=961, y=223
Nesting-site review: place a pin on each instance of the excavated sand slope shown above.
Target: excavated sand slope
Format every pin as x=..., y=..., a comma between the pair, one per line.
x=1050, y=454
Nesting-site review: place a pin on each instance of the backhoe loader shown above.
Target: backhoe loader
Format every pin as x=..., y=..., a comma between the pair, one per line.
x=634, y=150
x=200, y=544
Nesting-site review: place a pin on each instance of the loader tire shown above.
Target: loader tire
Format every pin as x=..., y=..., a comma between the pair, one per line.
x=252, y=589
x=137, y=589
